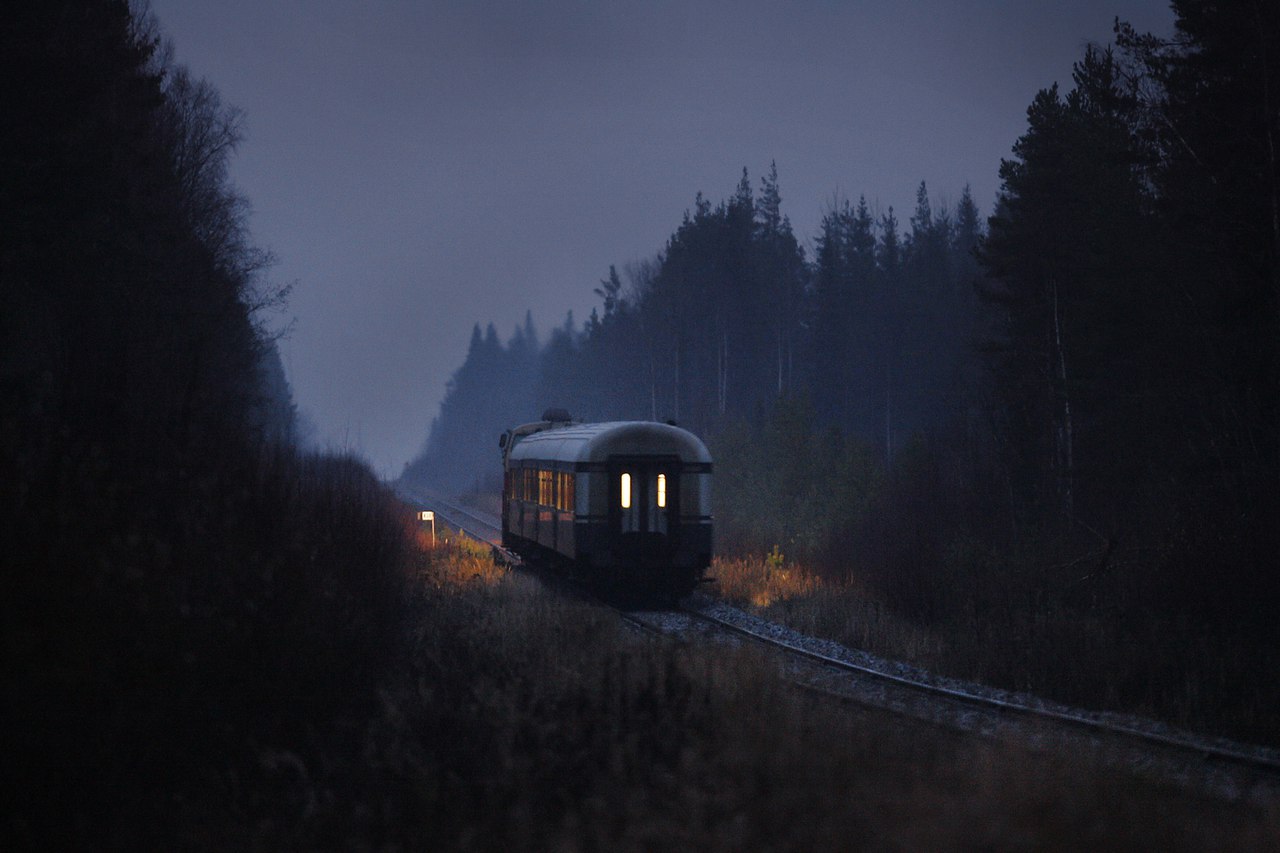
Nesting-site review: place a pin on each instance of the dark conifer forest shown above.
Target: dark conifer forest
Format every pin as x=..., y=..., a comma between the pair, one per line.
x=1048, y=430
x=1077, y=389
x=179, y=582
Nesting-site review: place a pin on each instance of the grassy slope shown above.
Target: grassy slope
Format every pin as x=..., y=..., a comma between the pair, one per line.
x=1196, y=681
x=315, y=703
x=517, y=720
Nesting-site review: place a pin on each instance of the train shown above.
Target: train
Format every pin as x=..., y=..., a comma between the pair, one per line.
x=624, y=506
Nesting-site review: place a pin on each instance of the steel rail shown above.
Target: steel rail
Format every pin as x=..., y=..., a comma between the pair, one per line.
x=456, y=515
x=1224, y=753
x=1221, y=753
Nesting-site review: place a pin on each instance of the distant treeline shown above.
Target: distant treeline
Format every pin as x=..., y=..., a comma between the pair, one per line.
x=729, y=319
x=1097, y=365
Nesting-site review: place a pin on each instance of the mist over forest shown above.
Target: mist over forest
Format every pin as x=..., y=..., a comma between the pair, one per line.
x=1090, y=367
x=731, y=321
x=1037, y=447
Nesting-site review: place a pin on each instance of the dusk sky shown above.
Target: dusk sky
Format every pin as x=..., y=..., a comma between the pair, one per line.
x=418, y=167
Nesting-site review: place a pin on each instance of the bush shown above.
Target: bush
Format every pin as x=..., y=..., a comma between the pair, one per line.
x=236, y=610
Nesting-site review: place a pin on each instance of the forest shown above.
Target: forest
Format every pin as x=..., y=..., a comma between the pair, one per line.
x=181, y=585
x=1072, y=399
x=1061, y=415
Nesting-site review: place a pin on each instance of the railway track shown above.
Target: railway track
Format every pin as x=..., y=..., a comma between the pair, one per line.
x=1153, y=733
x=469, y=522
x=1230, y=770
x=1227, y=770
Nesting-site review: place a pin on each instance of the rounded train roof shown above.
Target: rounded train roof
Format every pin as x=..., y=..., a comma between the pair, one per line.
x=597, y=442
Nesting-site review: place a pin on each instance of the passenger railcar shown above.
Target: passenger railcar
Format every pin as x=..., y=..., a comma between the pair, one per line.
x=624, y=505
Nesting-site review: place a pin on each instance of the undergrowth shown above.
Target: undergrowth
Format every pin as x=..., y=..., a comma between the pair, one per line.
x=521, y=720
x=318, y=676
x=1005, y=635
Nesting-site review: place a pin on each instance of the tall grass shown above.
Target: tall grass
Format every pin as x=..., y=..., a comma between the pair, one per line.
x=1007, y=633
x=762, y=582
x=929, y=560
x=314, y=675
x=158, y=650
x=519, y=720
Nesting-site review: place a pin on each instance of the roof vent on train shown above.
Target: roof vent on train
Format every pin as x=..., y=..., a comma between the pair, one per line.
x=557, y=416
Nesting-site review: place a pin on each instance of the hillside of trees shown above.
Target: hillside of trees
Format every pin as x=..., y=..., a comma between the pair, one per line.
x=1080, y=389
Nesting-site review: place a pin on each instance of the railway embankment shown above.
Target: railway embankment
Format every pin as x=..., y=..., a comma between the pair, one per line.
x=542, y=721
x=1093, y=746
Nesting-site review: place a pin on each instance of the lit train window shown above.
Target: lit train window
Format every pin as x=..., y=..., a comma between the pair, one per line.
x=662, y=491
x=626, y=491
x=566, y=492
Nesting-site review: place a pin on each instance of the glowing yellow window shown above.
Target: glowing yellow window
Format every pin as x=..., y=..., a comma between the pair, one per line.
x=662, y=490
x=626, y=491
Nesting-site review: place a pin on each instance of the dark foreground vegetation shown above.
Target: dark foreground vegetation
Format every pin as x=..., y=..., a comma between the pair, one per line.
x=483, y=712
x=892, y=561
x=213, y=641
x=1050, y=440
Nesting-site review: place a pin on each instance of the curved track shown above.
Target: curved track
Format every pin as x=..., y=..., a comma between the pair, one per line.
x=1259, y=766
x=1238, y=755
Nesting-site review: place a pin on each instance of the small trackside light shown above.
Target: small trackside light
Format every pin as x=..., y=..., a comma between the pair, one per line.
x=626, y=491
x=662, y=491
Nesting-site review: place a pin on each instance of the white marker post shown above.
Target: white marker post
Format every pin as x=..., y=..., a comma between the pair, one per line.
x=425, y=516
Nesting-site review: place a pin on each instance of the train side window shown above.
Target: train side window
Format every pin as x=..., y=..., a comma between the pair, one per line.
x=626, y=490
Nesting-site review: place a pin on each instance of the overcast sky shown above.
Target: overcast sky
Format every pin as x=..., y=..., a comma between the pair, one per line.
x=419, y=166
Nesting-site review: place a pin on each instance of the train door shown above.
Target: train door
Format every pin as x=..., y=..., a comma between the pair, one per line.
x=643, y=499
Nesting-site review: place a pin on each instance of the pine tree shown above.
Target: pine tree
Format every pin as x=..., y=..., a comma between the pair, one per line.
x=1073, y=267
x=609, y=291
x=1209, y=110
x=769, y=205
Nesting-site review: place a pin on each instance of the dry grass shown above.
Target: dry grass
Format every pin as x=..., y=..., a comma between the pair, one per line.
x=473, y=710
x=842, y=611
x=525, y=721
x=453, y=561
x=760, y=583
x=1090, y=659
